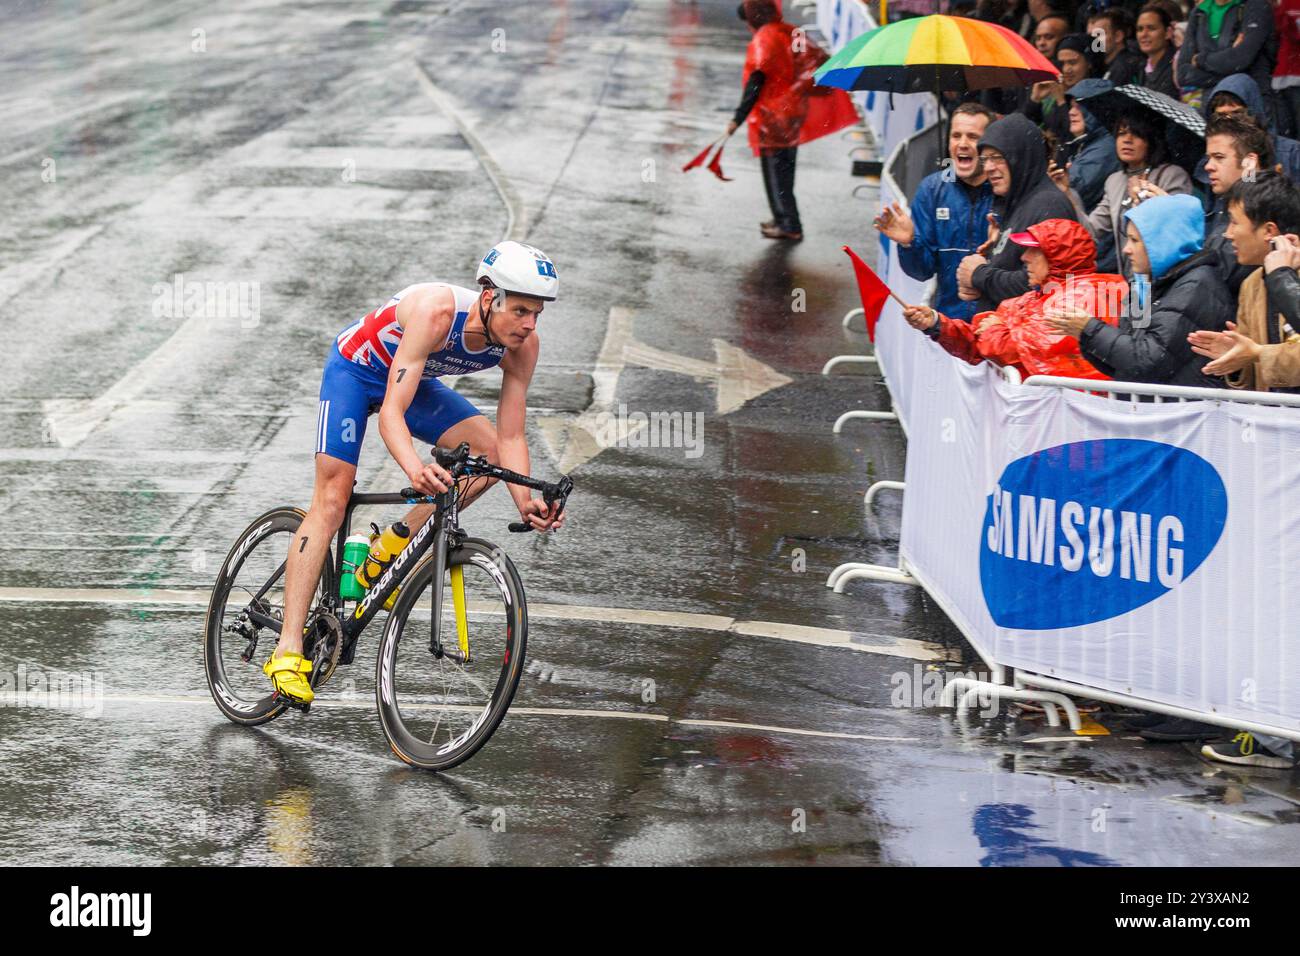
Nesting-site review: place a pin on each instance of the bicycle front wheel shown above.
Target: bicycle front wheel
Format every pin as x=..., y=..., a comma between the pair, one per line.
x=438, y=711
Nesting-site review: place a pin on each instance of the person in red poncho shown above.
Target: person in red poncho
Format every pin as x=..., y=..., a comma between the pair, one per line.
x=784, y=107
x=1061, y=260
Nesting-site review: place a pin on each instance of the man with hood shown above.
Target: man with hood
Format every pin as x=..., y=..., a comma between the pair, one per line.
x=1015, y=161
x=1224, y=37
x=1238, y=95
x=1060, y=260
x=1176, y=290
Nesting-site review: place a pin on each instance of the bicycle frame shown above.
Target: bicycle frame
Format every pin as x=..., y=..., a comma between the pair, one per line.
x=443, y=523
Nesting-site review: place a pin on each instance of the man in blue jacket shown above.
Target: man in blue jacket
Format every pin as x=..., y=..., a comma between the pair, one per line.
x=949, y=217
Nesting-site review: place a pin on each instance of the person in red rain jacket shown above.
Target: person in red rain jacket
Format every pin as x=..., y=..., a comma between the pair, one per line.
x=784, y=107
x=1061, y=260
x=775, y=104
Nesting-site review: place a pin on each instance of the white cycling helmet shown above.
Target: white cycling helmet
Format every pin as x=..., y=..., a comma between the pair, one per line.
x=519, y=269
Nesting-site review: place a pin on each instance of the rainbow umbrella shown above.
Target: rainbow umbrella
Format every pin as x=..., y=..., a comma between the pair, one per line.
x=936, y=53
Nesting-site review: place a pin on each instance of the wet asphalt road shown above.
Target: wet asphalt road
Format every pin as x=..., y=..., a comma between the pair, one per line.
x=295, y=148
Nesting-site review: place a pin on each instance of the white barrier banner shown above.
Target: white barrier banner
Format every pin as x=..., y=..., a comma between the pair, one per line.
x=1151, y=550
x=892, y=333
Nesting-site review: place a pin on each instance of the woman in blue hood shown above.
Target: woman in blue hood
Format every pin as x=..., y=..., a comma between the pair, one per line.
x=1176, y=290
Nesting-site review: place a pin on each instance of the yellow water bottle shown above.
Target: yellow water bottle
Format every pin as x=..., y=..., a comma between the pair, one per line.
x=389, y=545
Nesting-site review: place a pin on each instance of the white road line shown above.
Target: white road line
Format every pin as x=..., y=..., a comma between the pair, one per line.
x=796, y=633
x=732, y=725
x=829, y=637
x=516, y=220
x=561, y=712
x=12, y=698
x=41, y=263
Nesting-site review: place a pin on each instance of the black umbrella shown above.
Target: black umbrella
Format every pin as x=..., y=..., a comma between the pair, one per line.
x=1184, y=127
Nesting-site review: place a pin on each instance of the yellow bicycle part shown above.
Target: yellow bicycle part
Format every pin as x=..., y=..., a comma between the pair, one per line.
x=458, y=599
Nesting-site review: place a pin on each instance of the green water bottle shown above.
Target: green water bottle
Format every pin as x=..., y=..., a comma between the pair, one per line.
x=355, y=549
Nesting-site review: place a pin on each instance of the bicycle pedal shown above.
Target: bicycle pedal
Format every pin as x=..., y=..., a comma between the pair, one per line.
x=291, y=702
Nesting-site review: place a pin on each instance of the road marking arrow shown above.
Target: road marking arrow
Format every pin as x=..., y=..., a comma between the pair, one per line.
x=737, y=377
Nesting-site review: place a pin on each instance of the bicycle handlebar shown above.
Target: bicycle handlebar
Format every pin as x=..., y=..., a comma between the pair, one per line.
x=462, y=464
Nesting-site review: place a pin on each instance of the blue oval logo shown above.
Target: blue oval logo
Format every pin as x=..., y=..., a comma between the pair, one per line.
x=1084, y=532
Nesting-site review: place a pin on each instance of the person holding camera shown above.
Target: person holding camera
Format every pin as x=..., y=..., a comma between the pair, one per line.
x=1143, y=174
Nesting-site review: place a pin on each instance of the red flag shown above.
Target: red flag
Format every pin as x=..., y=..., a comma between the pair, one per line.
x=873, y=291
x=715, y=165
x=699, y=160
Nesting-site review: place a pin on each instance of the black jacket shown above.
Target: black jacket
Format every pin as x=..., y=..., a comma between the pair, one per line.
x=1255, y=55
x=1127, y=67
x=1153, y=348
x=1217, y=244
x=1282, y=295
x=1283, y=288
x=1032, y=199
x=1161, y=79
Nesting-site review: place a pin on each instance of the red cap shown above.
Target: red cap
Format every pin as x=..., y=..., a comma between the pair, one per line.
x=1025, y=239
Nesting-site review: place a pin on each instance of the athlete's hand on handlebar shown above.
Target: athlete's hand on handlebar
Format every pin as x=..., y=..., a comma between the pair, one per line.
x=430, y=479
x=542, y=517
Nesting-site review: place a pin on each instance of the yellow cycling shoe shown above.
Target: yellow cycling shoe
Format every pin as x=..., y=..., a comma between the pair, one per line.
x=288, y=676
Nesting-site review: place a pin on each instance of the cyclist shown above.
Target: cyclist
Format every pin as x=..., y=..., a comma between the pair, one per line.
x=390, y=362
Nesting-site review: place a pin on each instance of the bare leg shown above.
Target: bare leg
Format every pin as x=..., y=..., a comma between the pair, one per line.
x=307, y=548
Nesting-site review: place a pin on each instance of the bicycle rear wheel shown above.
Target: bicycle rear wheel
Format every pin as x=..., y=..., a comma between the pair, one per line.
x=239, y=687
x=438, y=711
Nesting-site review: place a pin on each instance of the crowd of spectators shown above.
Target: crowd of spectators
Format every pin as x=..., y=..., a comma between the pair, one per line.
x=1062, y=244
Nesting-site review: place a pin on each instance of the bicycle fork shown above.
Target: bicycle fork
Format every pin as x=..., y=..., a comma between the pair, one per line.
x=441, y=545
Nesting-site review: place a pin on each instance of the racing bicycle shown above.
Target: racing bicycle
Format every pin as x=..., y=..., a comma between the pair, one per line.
x=446, y=670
